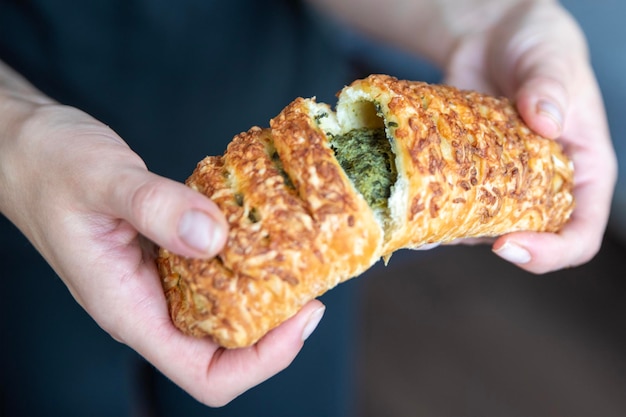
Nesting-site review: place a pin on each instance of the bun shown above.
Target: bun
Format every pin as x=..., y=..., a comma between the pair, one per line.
x=320, y=196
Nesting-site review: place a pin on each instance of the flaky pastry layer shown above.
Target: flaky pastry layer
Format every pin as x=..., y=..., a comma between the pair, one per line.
x=467, y=166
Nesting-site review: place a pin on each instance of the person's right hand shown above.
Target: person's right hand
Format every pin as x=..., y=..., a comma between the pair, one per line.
x=88, y=203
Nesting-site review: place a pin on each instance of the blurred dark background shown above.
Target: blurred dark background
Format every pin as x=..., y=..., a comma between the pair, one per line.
x=460, y=332
x=450, y=332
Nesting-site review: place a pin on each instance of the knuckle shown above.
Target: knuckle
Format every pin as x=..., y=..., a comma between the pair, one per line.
x=146, y=203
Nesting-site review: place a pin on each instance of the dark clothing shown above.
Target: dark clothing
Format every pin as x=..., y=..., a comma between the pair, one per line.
x=176, y=80
x=193, y=73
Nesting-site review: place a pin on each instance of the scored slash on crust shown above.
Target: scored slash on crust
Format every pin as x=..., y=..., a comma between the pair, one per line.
x=466, y=166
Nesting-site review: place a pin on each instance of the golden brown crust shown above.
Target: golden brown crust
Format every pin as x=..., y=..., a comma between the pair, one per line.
x=473, y=168
x=467, y=167
x=278, y=245
x=349, y=238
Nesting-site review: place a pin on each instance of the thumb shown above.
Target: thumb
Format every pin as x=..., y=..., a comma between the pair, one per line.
x=536, y=60
x=213, y=375
x=543, y=103
x=169, y=213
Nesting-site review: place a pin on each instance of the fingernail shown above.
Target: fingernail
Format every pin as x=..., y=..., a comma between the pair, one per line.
x=311, y=324
x=552, y=111
x=198, y=230
x=513, y=253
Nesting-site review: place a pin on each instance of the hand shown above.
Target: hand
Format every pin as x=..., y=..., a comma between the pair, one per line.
x=536, y=55
x=85, y=200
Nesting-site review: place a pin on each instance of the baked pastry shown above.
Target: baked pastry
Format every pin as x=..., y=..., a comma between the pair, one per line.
x=321, y=195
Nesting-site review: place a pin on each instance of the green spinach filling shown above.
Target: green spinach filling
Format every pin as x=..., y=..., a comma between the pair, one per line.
x=365, y=155
x=279, y=166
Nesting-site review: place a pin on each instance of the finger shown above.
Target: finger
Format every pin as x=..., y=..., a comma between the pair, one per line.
x=536, y=61
x=574, y=245
x=540, y=253
x=215, y=376
x=168, y=213
x=235, y=371
x=542, y=81
x=543, y=103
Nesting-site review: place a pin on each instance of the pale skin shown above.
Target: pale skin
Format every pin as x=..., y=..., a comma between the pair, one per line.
x=86, y=214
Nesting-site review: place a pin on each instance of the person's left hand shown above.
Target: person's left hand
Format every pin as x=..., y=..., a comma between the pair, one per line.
x=537, y=56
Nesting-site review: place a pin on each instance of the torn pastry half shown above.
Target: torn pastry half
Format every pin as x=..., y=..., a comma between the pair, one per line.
x=321, y=195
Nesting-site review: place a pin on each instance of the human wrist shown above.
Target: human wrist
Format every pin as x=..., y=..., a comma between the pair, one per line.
x=20, y=103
